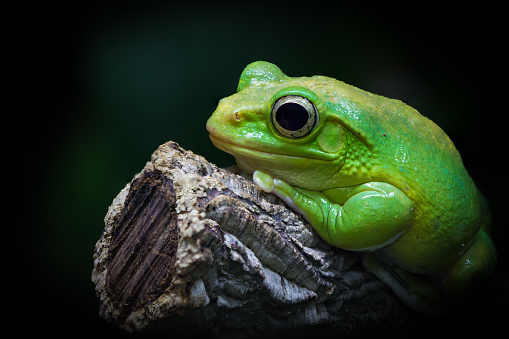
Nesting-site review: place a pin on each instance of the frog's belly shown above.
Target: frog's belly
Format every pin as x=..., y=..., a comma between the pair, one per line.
x=428, y=247
x=447, y=217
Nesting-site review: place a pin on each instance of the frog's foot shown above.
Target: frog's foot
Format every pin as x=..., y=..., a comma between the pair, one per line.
x=278, y=187
x=414, y=290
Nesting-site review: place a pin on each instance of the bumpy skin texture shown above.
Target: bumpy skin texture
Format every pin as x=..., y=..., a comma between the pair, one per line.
x=371, y=175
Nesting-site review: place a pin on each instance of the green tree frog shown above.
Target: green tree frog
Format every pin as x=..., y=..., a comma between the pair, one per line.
x=369, y=173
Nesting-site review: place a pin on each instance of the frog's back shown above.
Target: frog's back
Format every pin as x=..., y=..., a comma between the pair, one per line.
x=415, y=155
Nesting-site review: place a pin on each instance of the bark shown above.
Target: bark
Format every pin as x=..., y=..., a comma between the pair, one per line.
x=190, y=247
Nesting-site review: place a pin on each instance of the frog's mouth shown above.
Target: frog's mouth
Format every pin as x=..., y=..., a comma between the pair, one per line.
x=250, y=153
x=243, y=151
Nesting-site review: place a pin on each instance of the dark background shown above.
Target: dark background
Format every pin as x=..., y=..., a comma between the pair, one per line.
x=102, y=86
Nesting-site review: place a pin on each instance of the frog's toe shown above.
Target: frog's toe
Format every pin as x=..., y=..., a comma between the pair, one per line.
x=264, y=181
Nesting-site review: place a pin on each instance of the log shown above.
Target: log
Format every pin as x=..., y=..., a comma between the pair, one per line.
x=190, y=247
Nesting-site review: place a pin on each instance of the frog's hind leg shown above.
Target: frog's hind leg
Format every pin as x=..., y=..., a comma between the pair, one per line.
x=445, y=291
x=414, y=290
x=473, y=270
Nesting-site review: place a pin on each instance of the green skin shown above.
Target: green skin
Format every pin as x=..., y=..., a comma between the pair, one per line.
x=372, y=175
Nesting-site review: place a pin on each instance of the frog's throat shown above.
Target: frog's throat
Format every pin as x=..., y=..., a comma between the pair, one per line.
x=250, y=153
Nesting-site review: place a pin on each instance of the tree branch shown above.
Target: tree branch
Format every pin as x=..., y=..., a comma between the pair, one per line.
x=187, y=245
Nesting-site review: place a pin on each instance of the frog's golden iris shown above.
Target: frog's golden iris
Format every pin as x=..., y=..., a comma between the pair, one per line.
x=293, y=116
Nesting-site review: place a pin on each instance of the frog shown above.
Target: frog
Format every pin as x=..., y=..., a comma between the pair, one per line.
x=370, y=174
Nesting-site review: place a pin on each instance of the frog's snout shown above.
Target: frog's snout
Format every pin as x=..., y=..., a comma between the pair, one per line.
x=231, y=117
x=221, y=121
x=210, y=127
x=227, y=117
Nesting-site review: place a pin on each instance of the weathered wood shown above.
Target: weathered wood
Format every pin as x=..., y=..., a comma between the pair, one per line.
x=187, y=245
x=144, y=242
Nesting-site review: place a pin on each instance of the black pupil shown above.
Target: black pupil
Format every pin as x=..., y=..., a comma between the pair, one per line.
x=292, y=116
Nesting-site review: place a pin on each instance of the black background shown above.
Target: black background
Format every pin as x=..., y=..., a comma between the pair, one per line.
x=97, y=88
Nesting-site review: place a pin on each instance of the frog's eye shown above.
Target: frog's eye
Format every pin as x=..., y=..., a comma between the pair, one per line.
x=293, y=116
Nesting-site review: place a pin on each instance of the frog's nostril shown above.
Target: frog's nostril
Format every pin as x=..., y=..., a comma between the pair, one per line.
x=238, y=116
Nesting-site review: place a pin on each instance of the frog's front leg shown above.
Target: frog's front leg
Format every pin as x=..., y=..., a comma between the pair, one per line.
x=362, y=217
